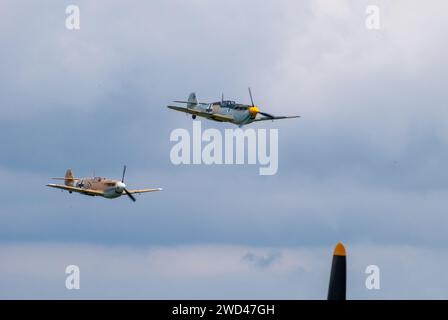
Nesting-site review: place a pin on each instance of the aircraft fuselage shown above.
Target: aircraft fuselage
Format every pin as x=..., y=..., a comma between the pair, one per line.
x=112, y=188
x=240, y=112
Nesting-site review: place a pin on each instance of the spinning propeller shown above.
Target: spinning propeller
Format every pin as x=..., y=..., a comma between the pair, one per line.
x=123, y=186
x=253, y=110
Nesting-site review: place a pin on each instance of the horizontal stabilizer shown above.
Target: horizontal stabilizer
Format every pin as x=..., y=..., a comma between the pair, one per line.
x=202, y=103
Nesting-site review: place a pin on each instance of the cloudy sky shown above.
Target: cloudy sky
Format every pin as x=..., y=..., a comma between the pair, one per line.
x=366, y=163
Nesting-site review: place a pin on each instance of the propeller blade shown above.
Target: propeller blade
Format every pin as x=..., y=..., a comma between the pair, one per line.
x=130, y=195
x=266, y=115
x=251, y=100
x=338, y=276
x=124, y=171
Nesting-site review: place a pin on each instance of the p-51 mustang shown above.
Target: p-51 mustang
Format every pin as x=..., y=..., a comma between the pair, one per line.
x=98, y=186
x=226, y=111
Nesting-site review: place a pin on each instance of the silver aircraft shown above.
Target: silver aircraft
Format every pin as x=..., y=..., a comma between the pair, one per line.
x=226, y=111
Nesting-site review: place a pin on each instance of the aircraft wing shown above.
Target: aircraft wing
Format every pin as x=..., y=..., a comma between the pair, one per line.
x=88, y=192
x=144, y=190
x=220, y=117
x=276, y=118
x=213, y=116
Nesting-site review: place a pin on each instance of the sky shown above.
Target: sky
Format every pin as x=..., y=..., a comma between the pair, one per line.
x=365, y=164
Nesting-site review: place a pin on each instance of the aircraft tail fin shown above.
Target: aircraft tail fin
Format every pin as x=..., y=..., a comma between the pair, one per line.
x=69, y=179
x=192, y=100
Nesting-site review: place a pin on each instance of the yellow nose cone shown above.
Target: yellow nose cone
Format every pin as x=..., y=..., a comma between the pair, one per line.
x=339, y=250
x=253, y=111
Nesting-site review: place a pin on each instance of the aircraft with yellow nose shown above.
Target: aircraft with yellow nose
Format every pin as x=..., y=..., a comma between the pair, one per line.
x=226, y=111
x=98, y=186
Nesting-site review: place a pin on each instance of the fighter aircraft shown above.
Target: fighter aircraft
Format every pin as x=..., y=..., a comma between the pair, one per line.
x=226, y=111
x=98, y=186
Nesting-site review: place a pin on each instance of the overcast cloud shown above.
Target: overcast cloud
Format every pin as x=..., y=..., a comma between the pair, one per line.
x=366, y=163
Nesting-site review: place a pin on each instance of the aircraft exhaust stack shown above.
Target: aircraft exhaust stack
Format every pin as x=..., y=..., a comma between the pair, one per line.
x=338, y=276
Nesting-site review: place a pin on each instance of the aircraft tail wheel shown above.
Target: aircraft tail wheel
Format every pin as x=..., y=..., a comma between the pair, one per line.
x=193, y=116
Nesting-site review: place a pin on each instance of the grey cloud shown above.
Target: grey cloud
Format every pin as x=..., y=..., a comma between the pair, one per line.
x=37, y=271
x=364, y=164
x=262, y=261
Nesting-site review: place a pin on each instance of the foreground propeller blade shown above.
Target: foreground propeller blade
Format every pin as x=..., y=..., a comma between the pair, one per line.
x=267, y=115
x=338, y=276
x=124, y=171
x=251, y=100
x=130, y=195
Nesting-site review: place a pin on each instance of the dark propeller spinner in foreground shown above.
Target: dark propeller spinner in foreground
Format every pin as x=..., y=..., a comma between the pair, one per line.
x=338, y=276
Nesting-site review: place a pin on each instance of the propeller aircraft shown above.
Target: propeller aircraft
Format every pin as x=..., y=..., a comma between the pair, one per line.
x=98, y=186
x=226, y=111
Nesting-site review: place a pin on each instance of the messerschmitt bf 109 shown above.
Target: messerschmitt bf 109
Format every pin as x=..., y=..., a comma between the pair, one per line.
x=226, y=111
x=98, y=186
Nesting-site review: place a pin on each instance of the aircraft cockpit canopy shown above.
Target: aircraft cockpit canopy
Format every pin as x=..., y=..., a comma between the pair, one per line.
x=228, y=104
